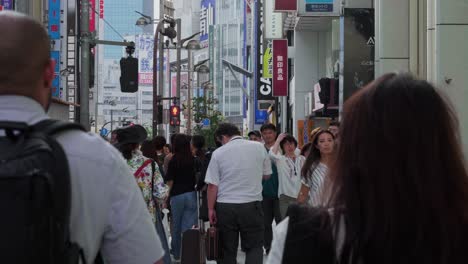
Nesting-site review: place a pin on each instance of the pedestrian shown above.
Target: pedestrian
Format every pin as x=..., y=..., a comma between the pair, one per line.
x=234, y=179
x=169, y=155
x=181, y=178
x=107, y=211
x=148, y=149
x=270, y=202
x=255, y=136
x=198, y=151
x=289, y=166
x=315, y=168
x=396, y=195
x=167, y=149
x=159, y=142
x=334, y=128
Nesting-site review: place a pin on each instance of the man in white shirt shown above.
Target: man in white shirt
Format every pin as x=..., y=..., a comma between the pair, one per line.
x=234, y=179
x=108, y=213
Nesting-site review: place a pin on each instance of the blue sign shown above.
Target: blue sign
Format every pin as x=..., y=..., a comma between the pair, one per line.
x=104, y=132
x=319, y=5
x=55, y=55
x=7, y=4
x=261, y=116
x=54, y=19
x=206, y=122
x=207, y=18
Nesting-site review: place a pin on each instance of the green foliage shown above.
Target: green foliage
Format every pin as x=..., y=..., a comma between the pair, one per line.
x=203, y=108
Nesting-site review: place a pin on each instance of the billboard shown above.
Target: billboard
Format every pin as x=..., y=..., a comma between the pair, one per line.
x=285, y=5
x=54, y=19
x=207, y=19
x=358, y=49
x=280, y=67
x=264, y=97
x=273, y=21
x=55, y=55
x=144, y=45
x=6, y=5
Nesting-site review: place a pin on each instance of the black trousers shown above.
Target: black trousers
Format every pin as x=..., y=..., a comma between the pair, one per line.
x=271, y=210
x=246, y=220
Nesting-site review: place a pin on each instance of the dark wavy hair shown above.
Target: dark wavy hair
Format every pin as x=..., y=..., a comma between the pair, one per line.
x=399, y=181
x=148, y=149
x=287, y=138
x=198, y=142
x=127, y=150
x=314, y=155
x=182, y=152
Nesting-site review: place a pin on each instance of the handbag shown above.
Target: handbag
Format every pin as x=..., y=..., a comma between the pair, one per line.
x=213, y=244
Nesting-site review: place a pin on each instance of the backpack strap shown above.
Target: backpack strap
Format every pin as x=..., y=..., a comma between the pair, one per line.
x=146, y=163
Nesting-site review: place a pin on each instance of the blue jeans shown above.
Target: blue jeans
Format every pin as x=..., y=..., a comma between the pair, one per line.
x=162, y=236
x=184, y=216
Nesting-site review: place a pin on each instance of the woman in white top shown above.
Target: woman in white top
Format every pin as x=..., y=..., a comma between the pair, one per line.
x=289, y=167
x=316, y=168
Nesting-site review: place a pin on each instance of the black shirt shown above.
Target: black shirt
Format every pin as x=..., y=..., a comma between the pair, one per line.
x=183, y=176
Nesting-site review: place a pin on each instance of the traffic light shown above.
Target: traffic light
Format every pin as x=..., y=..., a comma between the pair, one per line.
x=129, y=75
x=174, y=115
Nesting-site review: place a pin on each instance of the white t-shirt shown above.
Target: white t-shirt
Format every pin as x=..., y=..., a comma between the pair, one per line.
x=237, y=168
x=315, y=183
x=107, y=209
x=289, y=173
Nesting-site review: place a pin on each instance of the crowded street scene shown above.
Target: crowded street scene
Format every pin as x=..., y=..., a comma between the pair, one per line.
x=233, y=131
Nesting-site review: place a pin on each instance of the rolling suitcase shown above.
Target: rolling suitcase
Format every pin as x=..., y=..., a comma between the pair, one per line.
x=193, y=243
x=213, y=246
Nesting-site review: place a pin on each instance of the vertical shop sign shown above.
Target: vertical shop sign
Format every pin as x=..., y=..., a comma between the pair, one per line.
x=55, y=55
x=207, y=19
x=54, y=19
x=280, y=67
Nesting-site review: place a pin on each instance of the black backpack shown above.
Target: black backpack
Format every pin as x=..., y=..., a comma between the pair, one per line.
x=35, y=195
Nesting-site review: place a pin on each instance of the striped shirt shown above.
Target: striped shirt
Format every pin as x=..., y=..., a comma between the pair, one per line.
x=315, y=180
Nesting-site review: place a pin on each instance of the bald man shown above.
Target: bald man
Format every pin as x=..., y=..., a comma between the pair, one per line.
x=108, y=213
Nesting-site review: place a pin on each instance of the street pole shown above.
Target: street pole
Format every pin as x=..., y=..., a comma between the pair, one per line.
x=85, y=61
x=189, y=92
x=252, y=61
x=179, y=51
x=155, y=77
x=161, y=59
x=112, y=120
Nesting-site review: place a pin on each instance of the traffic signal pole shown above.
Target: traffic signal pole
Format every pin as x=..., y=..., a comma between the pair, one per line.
x=85, y=39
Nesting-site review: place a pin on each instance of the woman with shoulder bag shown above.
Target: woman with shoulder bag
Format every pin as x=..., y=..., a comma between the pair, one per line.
x=147, y=174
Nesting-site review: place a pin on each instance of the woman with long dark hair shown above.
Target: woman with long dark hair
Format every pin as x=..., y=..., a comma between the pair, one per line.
x=316, y=168
x=399, y=186
x=181, y=178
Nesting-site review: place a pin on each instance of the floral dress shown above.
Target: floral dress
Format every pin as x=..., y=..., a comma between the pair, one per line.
x=144, y=180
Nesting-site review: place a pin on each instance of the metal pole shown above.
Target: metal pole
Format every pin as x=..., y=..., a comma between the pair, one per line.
x=252, y=61
x=161, y=60
x=189, y=93
x=155, y=76
x=112, y=120
x=85, y=61
x=179, y=51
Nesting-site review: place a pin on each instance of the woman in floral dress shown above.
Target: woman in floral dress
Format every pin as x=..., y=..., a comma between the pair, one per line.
x=146, y=173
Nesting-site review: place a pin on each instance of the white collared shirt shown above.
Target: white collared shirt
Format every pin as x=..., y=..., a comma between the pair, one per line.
x=289, y=173
x=237, y=169
x=107, y=208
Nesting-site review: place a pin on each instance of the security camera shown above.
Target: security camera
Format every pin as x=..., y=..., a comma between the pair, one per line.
x=175, y=43
x=167, y=43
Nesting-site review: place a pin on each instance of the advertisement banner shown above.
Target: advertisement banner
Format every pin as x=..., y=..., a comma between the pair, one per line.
x=319, y=5
x=273, y=21
x=207, y=19
x=6, y=4
x=285, y=5
x=54, y=19
x=280, y=67
x=211, y=46
x=92, y=16
x=268, y=61
x=101, y=9
x=358, y=49
x=55, y=55
x=144, y=45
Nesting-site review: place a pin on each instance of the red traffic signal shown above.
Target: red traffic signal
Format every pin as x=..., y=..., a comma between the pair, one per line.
x=174, y=115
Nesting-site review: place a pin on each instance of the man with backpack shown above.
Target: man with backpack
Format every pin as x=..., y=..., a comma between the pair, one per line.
x=65, y=195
